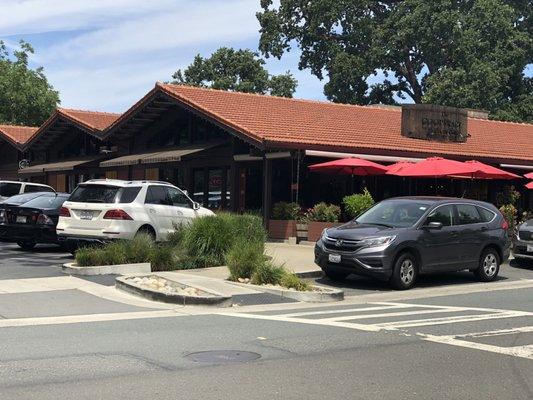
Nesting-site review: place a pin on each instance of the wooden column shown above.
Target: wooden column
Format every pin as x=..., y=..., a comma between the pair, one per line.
x=267, y=189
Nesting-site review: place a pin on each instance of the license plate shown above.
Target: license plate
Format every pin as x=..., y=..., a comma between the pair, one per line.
x=86, y=215
x=530, y=248
x=21, y=220
x=334, y=258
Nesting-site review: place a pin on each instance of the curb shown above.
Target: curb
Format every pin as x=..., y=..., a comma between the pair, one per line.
x=217, y=299
x=326, y=296
x=122, y=269
x=312, y=273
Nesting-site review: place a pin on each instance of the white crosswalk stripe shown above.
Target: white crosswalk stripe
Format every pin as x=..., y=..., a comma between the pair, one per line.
x=361, y=318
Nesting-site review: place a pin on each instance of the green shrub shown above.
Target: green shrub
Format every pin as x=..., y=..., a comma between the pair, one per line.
x=356, y=204
x=162, y=258
x=247, y=226
x=510, y=214
x=268, y=274
x=85, y=256
x=323, y=212
x=175, y=238
x=208, y=239
x=291, y=281
x=286, y=211
x=113, y=253
x=244, y=258
x=138, y=250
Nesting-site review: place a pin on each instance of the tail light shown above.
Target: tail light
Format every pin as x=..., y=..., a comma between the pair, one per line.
x=118, y=214
x=43, y=219
x=64, y=212
x=505, y=225
x=2, y=216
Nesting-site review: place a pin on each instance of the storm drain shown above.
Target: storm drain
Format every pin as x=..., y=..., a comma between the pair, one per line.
x=223, y=356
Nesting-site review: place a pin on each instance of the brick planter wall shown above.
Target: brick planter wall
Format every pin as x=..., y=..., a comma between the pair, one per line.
x=314, y=229
x=281, y=229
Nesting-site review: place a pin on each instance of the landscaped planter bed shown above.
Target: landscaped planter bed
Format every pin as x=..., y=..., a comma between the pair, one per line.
x=281, y=229
x=314, y=229
x=156, y=288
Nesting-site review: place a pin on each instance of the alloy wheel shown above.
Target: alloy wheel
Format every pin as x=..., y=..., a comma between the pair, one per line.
x=490, y=264
x=407, y=271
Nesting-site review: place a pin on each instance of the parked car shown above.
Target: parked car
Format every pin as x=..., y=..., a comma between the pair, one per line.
x=34, y=221
x=523, y=244
x=101, y=210
x=15, y=201
x=12, y=188
x=400, y=238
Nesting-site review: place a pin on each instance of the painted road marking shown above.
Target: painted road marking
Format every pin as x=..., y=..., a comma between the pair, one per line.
x=458, y=340
x=75, y=319
x=394, y=310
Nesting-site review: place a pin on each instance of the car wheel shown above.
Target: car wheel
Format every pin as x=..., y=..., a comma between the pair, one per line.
x=405, y=272
x=335, y=275
x=489, y=266
x=26, y=245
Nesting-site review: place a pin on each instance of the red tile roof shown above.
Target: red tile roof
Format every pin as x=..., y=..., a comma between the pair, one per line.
x=18, y=135
x=304, y=124
x=94, y=120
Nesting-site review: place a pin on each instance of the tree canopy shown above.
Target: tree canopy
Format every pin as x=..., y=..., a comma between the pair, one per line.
x=26, y=97
x=462, y=53
x=235, y=70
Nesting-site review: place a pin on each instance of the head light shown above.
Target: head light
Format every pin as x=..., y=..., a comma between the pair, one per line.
x=377, y=241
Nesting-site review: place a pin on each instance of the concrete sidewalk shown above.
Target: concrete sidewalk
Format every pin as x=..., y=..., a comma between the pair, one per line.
x=296, y=258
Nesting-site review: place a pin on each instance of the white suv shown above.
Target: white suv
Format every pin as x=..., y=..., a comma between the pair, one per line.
x=12, y=188
x=101, y=210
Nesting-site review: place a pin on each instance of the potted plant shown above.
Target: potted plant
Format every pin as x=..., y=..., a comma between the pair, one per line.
x=282, y=224
x=319, y=217
x=356, y=204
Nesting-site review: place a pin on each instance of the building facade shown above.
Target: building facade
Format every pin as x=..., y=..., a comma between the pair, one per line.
x=239, y=151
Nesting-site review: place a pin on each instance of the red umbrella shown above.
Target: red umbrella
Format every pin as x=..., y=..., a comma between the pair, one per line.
x=393, y=168
x=530, y=185
x=350, y=166
x=437, y=167
x=484, y=171
x=529, y=176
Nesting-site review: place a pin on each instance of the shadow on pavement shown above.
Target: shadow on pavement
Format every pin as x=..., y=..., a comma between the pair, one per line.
x=362, y=284
x=522, y=265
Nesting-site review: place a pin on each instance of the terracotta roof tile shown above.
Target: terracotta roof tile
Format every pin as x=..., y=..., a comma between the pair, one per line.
x=95, y=120
x=18, y=135
x=277, y=121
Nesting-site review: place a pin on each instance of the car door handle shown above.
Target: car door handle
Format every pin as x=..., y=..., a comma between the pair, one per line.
x=152, y=211
x=484, y=228
x=455, y=234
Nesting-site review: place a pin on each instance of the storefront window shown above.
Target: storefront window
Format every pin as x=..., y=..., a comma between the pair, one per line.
x=198, y=186
x=215, y=188
x=218, y=190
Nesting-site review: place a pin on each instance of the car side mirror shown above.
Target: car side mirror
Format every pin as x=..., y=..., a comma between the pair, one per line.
x=434, y=225
x=195, y=206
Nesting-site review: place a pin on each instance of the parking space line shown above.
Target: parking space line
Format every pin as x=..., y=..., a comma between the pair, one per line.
x=347, y=310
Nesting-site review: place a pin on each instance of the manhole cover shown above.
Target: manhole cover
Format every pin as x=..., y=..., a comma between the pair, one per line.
x=223, y=356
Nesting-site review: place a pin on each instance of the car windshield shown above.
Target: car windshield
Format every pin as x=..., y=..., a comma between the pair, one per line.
x=104, y=194
x=8, y=189
x=46, y=202
x=394, y=213
x=23, y=198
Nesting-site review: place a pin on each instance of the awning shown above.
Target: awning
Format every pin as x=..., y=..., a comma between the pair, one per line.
x=161, y=156
x=56, y=167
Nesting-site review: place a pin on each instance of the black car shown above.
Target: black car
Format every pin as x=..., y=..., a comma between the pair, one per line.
x=34, y=221
x=399, y=238
x=523, y=244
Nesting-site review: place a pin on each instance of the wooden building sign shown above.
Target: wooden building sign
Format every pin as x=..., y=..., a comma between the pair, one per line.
x=437, y=123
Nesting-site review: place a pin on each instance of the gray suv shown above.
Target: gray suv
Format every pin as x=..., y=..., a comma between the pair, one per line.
x=523, y=244
x=399, y=238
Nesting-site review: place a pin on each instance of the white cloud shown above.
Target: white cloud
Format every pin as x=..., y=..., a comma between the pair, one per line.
x=106, y=54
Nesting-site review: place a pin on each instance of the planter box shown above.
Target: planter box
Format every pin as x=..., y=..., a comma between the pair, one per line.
x=314, y=229
x=281, y=229
x=123, y=269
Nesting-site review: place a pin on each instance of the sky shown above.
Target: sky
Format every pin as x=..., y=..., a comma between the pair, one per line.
x=106, y=54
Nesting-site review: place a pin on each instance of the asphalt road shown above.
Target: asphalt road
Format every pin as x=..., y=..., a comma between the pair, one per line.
x=451, y=338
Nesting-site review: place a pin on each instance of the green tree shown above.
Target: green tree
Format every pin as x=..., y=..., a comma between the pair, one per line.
x=235, y=70
x=464, y=53
x=26, y=97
